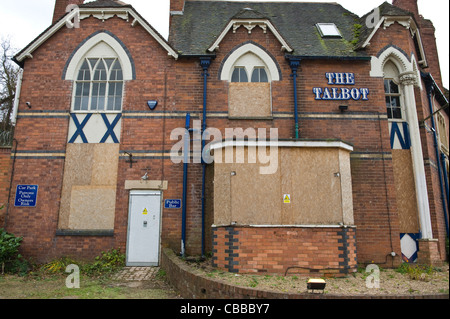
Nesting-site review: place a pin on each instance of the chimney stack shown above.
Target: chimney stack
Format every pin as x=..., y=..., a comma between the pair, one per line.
x=408, y=5
x=176, y=5
x=427, y=33
x=60, y=8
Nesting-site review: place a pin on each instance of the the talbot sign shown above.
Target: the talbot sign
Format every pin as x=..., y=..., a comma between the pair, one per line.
x=341, y=93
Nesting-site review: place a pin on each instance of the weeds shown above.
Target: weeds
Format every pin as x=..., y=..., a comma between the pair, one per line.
x=107, y=263
x=417, y=272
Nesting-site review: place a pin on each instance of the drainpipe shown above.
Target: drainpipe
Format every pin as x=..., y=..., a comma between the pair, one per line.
x=429, y=81
x=185, y=175
x=17, y=97
x=444, y=168
x=205, y=62
x=294, y=63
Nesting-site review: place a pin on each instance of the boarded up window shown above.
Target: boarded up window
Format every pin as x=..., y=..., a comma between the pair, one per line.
x=249, y=100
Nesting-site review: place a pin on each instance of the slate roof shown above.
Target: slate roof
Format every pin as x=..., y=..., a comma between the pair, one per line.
x=203, y=21
x=104, y=4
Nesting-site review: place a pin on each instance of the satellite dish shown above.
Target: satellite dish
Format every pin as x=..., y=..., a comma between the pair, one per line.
x=152, y=104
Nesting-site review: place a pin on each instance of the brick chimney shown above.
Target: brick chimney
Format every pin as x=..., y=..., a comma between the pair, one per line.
x=60, y=8
x=176, y=5
x=408, y=5
x=176, y=8
x=427, y=33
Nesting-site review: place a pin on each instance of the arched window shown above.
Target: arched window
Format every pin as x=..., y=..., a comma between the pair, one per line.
x=249, y=64
x=392, y=91
x=239, y=75
x=259, y=75
x=250, y=71
x=99, y=85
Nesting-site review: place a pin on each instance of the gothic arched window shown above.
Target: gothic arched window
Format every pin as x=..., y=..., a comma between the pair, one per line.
x=99, y=85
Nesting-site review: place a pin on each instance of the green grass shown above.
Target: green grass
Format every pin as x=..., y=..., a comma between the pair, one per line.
x=54, y=287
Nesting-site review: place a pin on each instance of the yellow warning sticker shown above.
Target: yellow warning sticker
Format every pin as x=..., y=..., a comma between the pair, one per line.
x=145, y=212
x=287, y=198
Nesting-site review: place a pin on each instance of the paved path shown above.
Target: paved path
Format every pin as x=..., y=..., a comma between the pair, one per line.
x=136, y=273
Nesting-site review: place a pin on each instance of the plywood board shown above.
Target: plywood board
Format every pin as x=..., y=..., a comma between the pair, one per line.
x=92, y=207
x=315, y=190
x=406, y=191
x=317, y=180
x=87, y=165
x=249, y=100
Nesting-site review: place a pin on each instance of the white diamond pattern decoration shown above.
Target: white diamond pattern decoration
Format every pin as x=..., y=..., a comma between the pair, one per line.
x=409, y=246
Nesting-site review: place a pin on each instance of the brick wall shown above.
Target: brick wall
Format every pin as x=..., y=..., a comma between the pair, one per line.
x=5, y=173
x=275, y=250
x=178, y=87
x=42, y=133
x=191, y=285
x=60, y=8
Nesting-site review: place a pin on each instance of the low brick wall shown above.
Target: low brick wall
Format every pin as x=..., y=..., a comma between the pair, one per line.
x=196, y=286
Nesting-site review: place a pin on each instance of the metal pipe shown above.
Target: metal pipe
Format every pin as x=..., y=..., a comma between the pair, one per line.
x=294, y=63
x=443, y=159
x=185, y=175
x=205, y=62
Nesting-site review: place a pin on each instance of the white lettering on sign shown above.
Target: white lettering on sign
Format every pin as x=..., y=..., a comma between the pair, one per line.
x=341, y=94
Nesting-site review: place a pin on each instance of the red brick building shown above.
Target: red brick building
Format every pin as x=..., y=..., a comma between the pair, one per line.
x=326, y=133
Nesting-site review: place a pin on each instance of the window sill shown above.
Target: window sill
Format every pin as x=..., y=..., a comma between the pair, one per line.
x=96, y=112
x=93, y=232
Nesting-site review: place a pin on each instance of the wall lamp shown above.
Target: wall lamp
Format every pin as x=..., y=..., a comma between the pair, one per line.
x=343, y=108
x=130, y=160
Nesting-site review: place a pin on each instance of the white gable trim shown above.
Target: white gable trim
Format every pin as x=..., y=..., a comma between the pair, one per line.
x=399, y=59
x=405, y=21
x=99, y=13
x=227, y=68
x=249, y=25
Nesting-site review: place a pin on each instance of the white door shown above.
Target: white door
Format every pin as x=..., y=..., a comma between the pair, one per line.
x=144, y=228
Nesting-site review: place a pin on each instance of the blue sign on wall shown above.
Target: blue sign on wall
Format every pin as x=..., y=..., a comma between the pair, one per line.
x=172, y=203
x=26, y=195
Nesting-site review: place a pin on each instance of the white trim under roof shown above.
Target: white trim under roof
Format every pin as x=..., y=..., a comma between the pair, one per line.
x=249, y=24
x=102, y=14
x=275, y=143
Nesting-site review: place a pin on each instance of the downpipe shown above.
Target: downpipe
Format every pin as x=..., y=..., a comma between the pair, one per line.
x=185, y=176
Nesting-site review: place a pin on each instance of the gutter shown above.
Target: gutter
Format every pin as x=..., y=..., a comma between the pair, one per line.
x=328, y=57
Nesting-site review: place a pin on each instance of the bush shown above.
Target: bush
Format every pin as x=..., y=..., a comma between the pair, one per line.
x=9, y=248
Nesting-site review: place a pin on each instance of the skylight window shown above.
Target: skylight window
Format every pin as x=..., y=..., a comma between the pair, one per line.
x=328, y=30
